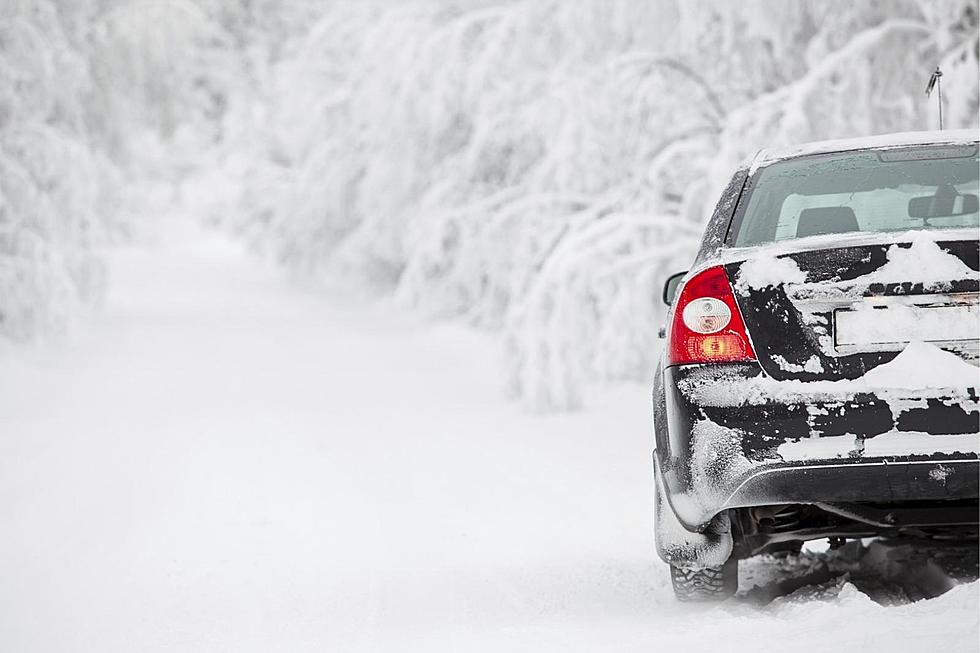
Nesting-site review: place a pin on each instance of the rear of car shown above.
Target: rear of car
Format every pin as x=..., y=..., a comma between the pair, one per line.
x=820, y=374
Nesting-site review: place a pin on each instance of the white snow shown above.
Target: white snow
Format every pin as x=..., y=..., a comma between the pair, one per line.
x=899, y=443
x=940, y=473
x=893, y=443
x=767, y=271
x=812, y=365
x=924, y=262
x=921, y=366
x=879, y=141
x=818, y=448
x=224, y=462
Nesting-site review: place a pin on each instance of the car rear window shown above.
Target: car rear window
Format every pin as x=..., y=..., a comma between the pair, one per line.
x=898, y=189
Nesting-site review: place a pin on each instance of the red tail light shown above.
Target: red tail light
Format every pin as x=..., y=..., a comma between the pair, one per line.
x=707, y=326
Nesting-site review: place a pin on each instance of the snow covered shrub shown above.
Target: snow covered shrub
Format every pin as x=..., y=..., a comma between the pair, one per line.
x=163, y=71
x=51, y=181
x=97, y=98
x=539, y=167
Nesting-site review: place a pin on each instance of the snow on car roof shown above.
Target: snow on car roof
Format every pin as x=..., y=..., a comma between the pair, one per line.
x=882, y=141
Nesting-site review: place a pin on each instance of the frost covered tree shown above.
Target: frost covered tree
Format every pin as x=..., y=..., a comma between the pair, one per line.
x=532, y=167
x=52, y=182
x=96, y=96
x=538, y=167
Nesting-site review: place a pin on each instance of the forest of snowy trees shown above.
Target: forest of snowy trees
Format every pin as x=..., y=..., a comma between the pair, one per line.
x=535, y=168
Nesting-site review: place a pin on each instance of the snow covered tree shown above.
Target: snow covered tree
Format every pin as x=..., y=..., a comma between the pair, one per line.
x=540, y=167
x=52, y=183
x=95, y=98
x=533, y=167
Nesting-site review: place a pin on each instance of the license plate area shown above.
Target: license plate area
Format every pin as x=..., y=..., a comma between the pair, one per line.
x=889, y=323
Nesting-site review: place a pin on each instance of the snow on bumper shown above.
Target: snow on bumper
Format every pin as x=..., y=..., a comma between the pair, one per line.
x=738, y=438
x=677, y=544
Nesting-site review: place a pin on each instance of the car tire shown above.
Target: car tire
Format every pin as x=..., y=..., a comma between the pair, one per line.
x=708, y=584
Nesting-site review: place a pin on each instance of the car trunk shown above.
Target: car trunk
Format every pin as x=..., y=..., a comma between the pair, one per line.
x=834, y=313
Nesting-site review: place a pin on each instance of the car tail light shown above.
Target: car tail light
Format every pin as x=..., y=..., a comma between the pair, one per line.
x=707, y=325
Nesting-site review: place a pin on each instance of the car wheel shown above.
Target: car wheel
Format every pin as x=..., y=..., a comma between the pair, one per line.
x=708, y=584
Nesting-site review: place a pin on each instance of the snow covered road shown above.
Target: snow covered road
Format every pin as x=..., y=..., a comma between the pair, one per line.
x=224, y=462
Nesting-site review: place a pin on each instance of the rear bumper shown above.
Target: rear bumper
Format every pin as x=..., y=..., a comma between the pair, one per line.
x=831, y=481
x=808, y=449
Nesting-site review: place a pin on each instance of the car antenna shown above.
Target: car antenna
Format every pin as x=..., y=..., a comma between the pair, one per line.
x=936, y=81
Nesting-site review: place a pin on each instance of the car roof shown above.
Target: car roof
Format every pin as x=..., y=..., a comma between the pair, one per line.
x=883, y=141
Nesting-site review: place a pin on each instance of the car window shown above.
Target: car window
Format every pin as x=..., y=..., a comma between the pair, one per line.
x=872, y=191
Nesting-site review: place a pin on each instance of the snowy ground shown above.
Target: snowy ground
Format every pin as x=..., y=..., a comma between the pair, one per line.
x=224, y=462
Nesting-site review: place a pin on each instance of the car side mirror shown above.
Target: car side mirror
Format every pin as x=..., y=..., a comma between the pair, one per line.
x=943, y=205
x=670, y=287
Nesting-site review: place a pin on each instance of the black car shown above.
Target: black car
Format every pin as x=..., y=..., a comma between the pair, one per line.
x=819, y=377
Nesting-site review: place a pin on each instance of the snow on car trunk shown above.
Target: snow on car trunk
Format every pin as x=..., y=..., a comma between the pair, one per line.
x=832, y=309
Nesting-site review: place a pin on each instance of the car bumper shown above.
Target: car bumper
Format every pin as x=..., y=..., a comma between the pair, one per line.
x=809, y=448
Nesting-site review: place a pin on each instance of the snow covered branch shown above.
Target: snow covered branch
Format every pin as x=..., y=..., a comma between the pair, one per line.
x=533, y=167
x=540, y=167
